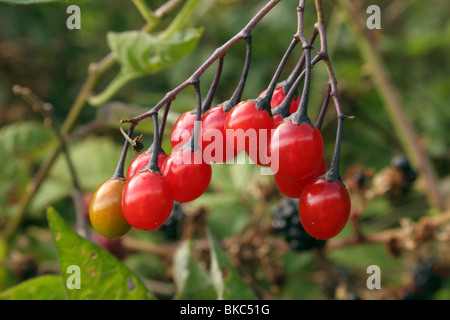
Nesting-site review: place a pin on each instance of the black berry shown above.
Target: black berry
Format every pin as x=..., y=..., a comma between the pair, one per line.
x=286, y=221
x=426, y=281
x=402, y=163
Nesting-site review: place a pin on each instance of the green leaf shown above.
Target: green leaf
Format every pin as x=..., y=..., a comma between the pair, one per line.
x=47, y=287
x=102, y=276
x=227, y=281
x=192, y=280
x=23, y=145
x=140, y=54
x=26, y=139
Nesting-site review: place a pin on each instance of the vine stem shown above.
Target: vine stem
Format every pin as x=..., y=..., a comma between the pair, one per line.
x=297, y=75
x=392, y=102
x=301, y=115
x=180, y=19
x=299, y=67
x=333, y=173
x=95, y=71
x=144, y=10
x=217, y=54
x=387, y=235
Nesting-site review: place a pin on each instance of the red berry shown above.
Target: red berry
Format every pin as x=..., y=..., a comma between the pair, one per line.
x=140, y=161
x=251, y=127
x=324, y=208
x=147, y=200
x=297, y=148
x=214, y=145
x=187, y=174
x=294, y=188
x=277, y=98
x=182, y=129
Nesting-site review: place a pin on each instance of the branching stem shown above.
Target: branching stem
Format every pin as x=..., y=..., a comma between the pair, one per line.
x=333, y=172
x=217, y=54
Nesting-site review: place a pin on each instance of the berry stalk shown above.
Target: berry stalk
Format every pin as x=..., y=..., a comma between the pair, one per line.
x=153, y=162
x=237, y=95
x=212, y=89
x=299, y=66
x=290, y=82
x=273, y=83
x=119, y=172
x=196, y=132
x=324, y=108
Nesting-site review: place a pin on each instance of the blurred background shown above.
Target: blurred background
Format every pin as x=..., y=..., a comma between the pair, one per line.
x=394, y=159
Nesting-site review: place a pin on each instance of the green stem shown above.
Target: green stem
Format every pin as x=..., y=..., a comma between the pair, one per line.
x=114, y=86
x=178, y=22
x=145, y=11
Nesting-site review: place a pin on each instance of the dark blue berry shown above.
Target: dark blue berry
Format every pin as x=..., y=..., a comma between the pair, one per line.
x=287, y=222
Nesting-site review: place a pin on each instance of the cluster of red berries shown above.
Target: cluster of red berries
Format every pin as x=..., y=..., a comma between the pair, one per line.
x=324, y=206
x=145, y=198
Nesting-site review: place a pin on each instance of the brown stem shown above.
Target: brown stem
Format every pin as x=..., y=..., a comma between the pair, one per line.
x=385, y=235
x=217, y=54
x=333, y=172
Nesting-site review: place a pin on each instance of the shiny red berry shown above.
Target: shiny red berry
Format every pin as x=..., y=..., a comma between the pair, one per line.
x=214, y=145
x=297, y=148
x=324, y=208
x=187, y=174
x=294, y=188
x=147, y=200
x=250, y=127
x=182, y=129
x=141, y=160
